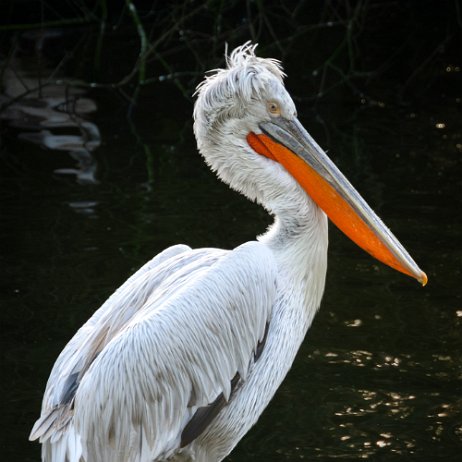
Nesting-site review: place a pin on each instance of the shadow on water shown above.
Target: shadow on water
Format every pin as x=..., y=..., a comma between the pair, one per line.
x=379, y=375
x=50, y=115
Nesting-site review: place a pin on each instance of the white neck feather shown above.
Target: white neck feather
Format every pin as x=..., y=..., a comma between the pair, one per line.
x=299, y=236
x=299, y=241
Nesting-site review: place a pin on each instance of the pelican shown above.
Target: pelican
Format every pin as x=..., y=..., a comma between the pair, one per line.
x=180, y=362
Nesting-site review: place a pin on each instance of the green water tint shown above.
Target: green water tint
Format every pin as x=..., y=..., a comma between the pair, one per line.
x=378, y=376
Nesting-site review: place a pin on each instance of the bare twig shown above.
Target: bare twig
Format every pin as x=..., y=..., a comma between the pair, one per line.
x=47, y=24
x=141, y=63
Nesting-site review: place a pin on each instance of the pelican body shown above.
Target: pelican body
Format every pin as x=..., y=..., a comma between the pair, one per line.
x=180, y=362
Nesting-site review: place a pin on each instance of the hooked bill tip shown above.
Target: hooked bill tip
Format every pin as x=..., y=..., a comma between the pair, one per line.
x=423, y=279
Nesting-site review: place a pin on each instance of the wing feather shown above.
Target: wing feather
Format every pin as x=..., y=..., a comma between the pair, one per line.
x=91, y=338
x=178, y=353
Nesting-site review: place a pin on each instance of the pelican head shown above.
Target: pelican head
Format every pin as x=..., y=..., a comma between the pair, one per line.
x=247, y=130
x=232, y=103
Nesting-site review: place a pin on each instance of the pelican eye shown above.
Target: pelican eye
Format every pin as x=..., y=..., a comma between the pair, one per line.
x=273, y=108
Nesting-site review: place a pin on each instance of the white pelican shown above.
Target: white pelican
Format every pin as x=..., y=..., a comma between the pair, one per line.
x=183, y=358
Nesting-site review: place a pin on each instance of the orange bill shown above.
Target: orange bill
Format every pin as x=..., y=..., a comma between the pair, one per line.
x=287, y=142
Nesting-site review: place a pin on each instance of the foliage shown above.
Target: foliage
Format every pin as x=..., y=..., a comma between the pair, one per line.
x=128, y=45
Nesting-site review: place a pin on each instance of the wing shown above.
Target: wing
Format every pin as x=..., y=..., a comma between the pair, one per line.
x=178, y=354
x=140, y=374
x=93, y=336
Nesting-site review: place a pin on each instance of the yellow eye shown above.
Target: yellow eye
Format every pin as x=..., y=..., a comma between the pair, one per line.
x=274, y=108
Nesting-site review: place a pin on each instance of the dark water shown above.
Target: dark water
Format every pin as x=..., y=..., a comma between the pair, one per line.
x=379, y=375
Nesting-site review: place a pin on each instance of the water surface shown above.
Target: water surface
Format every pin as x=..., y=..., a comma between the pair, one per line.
x=379, y=375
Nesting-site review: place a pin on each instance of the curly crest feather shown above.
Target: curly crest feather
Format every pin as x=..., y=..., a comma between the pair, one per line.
x=234, y=88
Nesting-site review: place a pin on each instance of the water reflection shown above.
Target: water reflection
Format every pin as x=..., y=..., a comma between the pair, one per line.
x=368, y=422
x=84, y=207
x=52, y=116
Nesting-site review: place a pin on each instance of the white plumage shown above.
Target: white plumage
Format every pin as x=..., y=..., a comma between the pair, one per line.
x=183, y=358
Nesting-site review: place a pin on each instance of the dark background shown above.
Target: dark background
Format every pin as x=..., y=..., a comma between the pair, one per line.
x=99, y=172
